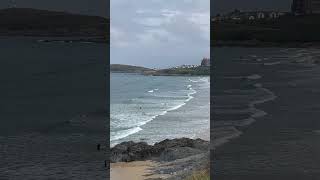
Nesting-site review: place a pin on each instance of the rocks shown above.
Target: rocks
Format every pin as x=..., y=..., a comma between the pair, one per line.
x=167, y=150
x=172, y=154
x=130, y=151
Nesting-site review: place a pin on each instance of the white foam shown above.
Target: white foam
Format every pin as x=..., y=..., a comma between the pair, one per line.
x=254, y=77
x=193, y=81
x=272, y=63
x=176, y=107
x=124, y=133
x=257, y=112
x=134, y=115
x=190, y=94
x=258, y=85
x=223, y=135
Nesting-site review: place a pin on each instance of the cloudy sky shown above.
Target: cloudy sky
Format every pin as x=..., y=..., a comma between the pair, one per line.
x=159, y=33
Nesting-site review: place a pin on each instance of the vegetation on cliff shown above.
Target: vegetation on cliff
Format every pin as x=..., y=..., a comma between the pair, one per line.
x=194, y=71
x=286, y=29
x=34, y=22
x=121, y=68
x=200, y=175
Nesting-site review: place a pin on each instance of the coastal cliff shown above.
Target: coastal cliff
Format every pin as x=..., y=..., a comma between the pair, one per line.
x=177, y=158
x=121, y=68
x=286, y=31
x=43, y=23
x=179, y=71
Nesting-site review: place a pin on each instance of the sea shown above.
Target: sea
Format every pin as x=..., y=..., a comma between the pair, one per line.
x=265, y=113
x=154, y=108
x=52, y=109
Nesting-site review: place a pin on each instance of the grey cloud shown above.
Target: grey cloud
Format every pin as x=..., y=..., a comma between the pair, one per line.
x=158, y=33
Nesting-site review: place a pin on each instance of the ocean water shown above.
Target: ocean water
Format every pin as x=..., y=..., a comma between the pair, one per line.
x=153, y=108
x=52, y=110
x=264, y=114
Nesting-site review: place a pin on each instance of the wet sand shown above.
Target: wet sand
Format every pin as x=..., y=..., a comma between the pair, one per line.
x=285, y=143
x=141, y=170
x=138, y=170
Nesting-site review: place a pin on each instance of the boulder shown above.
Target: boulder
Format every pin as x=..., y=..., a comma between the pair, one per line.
x=167, y=150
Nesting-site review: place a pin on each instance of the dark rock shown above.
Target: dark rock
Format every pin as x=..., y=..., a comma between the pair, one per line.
x=182, y=142
x=130, y=151
x=172, y=154
x=167, y=150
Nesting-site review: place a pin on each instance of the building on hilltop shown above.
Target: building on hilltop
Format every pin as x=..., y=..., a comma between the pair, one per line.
x=205, y=62
x=301, y=7
x=239, y=16
x=261, y=15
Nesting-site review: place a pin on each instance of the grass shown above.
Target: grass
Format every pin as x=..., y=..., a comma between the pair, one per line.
x=196, y=71
x=286, y=29
x=200, y=175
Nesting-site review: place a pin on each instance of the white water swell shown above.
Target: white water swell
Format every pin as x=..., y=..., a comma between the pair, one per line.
x=128, y=117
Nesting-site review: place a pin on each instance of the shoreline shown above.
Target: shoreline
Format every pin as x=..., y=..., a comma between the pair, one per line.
x=170, y=157
x=181, y=75
x=165, y=165
x=260, y=44
x=286, y=132
x=170, y=116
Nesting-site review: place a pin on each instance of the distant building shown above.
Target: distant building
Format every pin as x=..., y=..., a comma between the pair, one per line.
x=261, y=15
x=252, y=18
x=237, y=15
x=300, y=7
x=274, y=15
x=205, y=62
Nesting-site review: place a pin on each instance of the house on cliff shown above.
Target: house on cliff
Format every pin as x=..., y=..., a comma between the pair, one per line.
x=205, y=62
x=301, y=7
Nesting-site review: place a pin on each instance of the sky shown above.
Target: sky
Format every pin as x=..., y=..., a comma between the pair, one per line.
x=159, y=33
x=155, y=33
x=88, y=7
x=222, y=6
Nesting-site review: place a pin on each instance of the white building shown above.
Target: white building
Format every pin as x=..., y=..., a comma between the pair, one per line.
x=261, y=15
x=274, y=15
x=252, y=18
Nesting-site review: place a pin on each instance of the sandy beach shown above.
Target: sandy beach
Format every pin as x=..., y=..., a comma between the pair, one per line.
x=160, y=169
x=137, y=170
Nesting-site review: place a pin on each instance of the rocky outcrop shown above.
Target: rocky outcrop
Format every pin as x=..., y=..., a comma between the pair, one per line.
x=167, y=150
x=121, y=68
x=44, y=23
